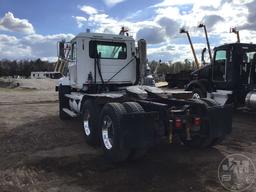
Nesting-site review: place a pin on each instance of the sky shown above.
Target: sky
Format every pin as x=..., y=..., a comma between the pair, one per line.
x=30, y=29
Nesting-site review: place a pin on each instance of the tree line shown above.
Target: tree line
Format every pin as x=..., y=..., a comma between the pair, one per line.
x=171, y=67
x=23, y=68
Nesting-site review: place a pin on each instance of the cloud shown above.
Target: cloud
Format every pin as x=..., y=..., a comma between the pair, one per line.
x=44, y=46
x=171, y=27
x=21, y=52
x=89, y=10
x=10, y=23
x=111, y=3
x=251, y=18
x=174, y=52
x=37, y=38
x=31, y=46
x=167, y=3
x=100, y=22
x=7, y=39
x=11, y=48
x=80, y=21
x=153, y=35
x=28, y=44
x=211, y=20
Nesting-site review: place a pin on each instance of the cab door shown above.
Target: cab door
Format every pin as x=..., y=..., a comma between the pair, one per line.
x=115, y=59
x=220, y=75
x=72, y=63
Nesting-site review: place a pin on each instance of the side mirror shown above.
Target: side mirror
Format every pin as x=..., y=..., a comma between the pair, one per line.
x=61, y=52
x=202, y=58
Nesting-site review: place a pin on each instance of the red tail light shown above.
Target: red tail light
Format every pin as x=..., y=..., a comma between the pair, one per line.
x=197, y=121
x=178, y=123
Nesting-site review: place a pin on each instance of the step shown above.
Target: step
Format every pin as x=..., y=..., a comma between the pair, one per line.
x=221, y=96
x=74, y=96
x=69, y=112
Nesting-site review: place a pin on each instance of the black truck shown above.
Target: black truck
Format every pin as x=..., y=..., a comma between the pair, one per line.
x=230, y=77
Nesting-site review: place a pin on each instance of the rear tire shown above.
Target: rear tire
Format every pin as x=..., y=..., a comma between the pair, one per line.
x=90, y=122
x=133, y=107
x=63, y=102
x=110, y=126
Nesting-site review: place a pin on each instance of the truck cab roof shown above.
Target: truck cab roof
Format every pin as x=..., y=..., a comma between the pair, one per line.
x=103, y=36
x=250, y=45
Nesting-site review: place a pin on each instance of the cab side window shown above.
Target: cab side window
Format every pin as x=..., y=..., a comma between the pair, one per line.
x=73, y=52
x=219, y=66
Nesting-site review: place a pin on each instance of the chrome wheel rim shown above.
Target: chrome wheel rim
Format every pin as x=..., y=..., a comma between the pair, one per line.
x=86, y=124
x=196, y=96
x=107, y=132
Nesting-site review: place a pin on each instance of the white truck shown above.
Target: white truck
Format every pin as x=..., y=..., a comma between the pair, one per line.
x=103, y=85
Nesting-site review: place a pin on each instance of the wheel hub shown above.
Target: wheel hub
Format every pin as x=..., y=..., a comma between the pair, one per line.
x=86, y=124
x=196, y=96
x=107, y=132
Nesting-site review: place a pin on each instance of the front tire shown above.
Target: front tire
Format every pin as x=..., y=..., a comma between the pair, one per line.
x=110, y=132
x=198, y=93
x=90, y=120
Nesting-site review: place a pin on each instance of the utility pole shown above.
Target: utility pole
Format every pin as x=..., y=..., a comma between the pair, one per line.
x=182, y=30
x=201, y=25
x=234, y=30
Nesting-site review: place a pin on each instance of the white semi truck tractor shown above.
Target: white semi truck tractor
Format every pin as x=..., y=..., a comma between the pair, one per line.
x=103, y=87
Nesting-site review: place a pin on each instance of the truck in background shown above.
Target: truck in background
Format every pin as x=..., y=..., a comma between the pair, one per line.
x=229, y=78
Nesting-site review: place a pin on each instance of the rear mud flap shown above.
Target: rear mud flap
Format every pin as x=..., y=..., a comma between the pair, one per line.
x=138, y=130
x=219, y=121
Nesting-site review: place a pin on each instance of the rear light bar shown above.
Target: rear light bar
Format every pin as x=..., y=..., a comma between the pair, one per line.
x=197, y=121
x=178, y=123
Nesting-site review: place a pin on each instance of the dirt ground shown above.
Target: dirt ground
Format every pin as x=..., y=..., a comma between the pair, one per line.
x=39, y=152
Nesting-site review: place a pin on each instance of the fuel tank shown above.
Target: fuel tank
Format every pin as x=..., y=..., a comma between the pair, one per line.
x=250, y=100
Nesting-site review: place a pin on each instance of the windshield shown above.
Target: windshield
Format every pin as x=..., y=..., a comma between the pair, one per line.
x=108, y=50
